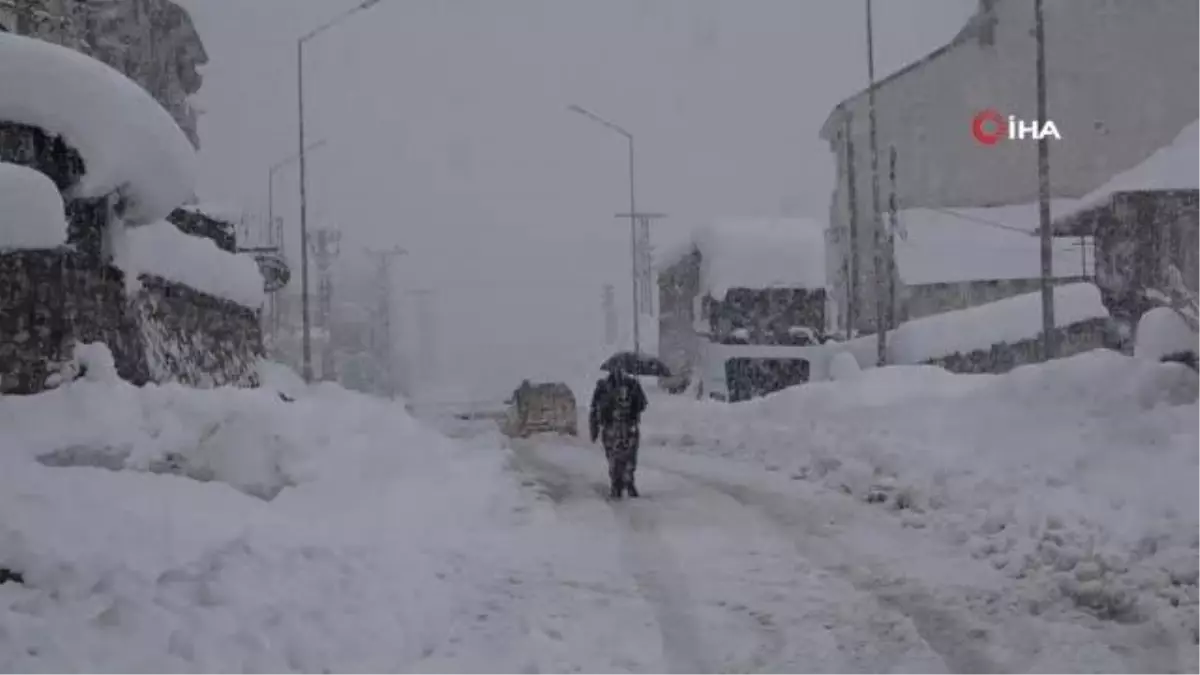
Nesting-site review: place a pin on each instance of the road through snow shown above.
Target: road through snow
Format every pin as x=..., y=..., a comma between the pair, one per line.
x=730, y=570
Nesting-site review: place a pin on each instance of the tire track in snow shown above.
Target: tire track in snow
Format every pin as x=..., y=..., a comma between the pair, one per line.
x=946, y=633
x=651, y=562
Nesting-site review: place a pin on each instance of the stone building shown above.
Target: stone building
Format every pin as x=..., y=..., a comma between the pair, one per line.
x=153, y=42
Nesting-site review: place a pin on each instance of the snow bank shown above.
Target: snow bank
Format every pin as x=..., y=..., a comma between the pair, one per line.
x=962, y=331
x=163, y=250
x=385, y=546
x=1077, y=477
x=128, y=142
x=1009, y=320
x=1172, y=167
x=951, y=246
x=1161, y=332
x=31, y=209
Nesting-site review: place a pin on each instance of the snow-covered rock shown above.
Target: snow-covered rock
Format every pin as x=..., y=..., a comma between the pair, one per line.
x=31, y=209
x=162, y=250
x=129, y=143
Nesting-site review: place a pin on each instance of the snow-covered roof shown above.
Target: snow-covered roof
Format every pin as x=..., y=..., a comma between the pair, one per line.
x=949, y=246
x=160, y=249
x=128, y=142
x=753, y=253
x=31, y=209
x=1172, y=167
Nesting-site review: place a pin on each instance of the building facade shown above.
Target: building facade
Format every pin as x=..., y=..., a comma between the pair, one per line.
x=1122, y=82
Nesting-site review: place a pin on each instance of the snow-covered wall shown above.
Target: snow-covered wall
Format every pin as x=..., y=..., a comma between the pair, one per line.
x=1122, y=82
x=165, y=332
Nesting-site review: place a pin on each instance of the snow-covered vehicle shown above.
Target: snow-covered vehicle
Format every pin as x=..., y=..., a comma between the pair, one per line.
x=544, y=407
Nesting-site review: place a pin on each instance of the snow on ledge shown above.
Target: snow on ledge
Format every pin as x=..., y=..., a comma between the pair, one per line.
x=128, y=142
x=1009, y=320
x=31, y=210
x=161, y=249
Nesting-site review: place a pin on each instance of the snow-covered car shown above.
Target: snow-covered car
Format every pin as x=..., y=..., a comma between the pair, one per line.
x=544, y=407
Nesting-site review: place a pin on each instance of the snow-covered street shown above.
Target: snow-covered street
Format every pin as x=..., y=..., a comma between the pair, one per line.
x=145, y=540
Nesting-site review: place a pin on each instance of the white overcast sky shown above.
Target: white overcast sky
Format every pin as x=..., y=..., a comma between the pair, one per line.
x=447, y=134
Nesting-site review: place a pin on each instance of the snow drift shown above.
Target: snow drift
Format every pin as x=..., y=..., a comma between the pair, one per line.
x=1075, y=477
x=128, y=142
x=383, y=536
x=31, y=209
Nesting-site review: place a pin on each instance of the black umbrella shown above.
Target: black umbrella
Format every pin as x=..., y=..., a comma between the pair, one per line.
x=636, y=364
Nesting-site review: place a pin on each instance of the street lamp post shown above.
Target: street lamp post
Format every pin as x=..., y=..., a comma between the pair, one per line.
x=271, y=229
x=637, y=346
x=307, y=324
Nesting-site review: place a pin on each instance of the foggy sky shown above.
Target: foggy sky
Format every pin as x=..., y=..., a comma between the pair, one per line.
x=447, y=134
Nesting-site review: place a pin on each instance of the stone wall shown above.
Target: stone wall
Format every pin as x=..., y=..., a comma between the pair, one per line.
x=1003, y=357
x=166, y=332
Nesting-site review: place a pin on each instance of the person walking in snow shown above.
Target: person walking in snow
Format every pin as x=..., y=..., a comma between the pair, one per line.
x=615, y=417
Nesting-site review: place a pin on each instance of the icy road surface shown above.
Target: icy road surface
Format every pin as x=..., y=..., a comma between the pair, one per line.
x=719, y=569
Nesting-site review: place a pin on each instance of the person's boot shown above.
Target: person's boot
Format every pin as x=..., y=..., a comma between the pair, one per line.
x=615, y=492
x=631, y=488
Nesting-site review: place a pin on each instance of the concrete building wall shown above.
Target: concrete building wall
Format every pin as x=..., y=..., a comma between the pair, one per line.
x=1122, y=82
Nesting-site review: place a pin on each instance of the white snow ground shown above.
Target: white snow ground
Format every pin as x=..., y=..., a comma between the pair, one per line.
x=393, y=548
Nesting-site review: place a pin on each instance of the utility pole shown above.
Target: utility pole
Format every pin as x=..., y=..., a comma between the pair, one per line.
x=891, y=238
x=876, y=219
x=327, y=247
x=383, y=344
x=426, y=335
x=854, y=260
x=643, y=270
x=1049, y=343
x=609, y=305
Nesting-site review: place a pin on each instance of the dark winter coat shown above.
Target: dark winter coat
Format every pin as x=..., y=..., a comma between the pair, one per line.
x=617, y=403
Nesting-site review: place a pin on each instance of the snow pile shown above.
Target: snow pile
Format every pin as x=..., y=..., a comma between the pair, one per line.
x=962, y=331
x=1009, y=320
x=1000, y=243
x=31, y=209
x=1172, y=167
x=161, y=249
x=386, y=549
x=128, y=142
x=1162, y=332
x=1077, y=477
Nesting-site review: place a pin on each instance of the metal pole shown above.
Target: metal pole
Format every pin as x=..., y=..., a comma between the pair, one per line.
x=852, y=201
x=891, y=239
x=1049, y=344
x=306, y=335
x=876, y=221
x=633, y=251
